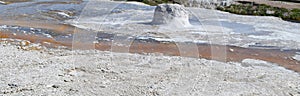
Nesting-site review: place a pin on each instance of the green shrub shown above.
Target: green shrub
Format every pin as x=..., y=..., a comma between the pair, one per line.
x=261, y=10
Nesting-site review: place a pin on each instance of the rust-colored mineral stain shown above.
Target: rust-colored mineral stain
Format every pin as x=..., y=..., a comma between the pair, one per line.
x=275, y=56
x=55, y=27
x=236, y=54
x=34, y=39
x=3, y=35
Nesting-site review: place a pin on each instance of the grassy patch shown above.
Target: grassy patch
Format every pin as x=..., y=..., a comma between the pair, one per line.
x=263, y=10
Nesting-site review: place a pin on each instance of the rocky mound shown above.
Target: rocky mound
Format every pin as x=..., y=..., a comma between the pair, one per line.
x=171, y=14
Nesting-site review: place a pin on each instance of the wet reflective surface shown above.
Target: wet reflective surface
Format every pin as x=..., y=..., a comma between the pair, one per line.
x=43, y=21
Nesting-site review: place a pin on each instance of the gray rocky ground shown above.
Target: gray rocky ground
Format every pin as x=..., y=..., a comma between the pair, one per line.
x=65, y=72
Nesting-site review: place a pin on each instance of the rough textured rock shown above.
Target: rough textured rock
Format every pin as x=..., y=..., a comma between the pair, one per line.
x=89, y=72
x=171, y=14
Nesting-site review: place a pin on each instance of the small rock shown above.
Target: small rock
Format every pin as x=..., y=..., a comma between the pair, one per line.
x=55, y=86
x=68, y=80
x=73, y=90
x=51, y=53
x=19, y=47
x=102, y=86
x=24, y=43
x=12, y=85
x=103, y=71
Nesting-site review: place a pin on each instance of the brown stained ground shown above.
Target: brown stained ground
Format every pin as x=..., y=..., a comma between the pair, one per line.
x=275, y=56
x=55, y=27
x=235, y=54
x=35, y=39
